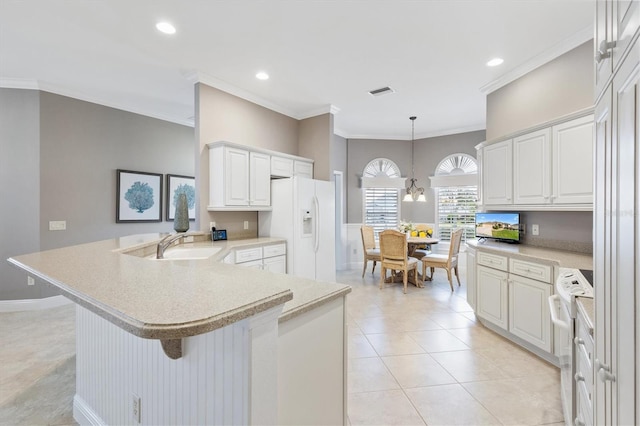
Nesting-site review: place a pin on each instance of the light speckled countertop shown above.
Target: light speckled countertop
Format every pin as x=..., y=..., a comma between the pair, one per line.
x=565, y=259
x=171, y=299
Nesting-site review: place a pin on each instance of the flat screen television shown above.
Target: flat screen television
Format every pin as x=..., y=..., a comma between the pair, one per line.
x=498, y=226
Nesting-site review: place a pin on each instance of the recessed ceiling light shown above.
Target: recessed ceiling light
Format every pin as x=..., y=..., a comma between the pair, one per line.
x=262, y=76
x=165, y=27
x=495, y=62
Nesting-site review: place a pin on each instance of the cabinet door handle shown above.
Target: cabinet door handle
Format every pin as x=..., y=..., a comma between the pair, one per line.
x=578, y=422
x=578, y=341
x=604, y=372
x=604, y=50
x=578, y=377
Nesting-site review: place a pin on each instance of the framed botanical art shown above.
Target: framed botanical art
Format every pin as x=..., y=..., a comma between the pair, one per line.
x=177, y=185
x=138, y=197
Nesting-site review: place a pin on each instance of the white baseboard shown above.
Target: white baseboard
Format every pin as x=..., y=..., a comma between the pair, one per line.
x=84, y=414
x=33, y=304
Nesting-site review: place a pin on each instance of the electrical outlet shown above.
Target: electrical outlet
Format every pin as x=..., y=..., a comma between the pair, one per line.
x=246, y=224
x=535, y=230
x=30, y=280
x=57, y=225
x=135, y=407
x=212, y=225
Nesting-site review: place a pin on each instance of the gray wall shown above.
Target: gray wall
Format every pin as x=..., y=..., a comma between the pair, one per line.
x=80, y=147
x=19, y=188
x=314, y=141
x=428, y=154
x=559, y=87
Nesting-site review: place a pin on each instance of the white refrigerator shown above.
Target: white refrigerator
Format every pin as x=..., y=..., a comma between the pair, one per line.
x=303, y=213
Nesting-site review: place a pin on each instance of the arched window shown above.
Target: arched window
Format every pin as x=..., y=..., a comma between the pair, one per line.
x=456, y=186
x=381, y=184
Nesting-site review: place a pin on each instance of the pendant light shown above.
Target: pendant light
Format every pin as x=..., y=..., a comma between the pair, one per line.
x=413, y=191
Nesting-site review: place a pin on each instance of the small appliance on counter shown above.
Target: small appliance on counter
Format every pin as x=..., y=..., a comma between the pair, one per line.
x=218, y=235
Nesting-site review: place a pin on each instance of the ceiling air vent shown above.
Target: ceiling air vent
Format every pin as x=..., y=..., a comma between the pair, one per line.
x=381, y=91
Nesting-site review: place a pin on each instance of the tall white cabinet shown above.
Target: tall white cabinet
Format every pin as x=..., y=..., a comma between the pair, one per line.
x=617, y=214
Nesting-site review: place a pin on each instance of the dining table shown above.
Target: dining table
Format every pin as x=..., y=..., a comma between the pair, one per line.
x=414, y=242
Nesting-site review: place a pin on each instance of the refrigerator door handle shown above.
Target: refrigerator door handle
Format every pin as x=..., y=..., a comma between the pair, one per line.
x=316, y=243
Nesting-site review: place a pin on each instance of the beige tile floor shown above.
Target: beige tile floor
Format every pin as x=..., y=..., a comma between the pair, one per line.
x=423, y=358
x=416, y=358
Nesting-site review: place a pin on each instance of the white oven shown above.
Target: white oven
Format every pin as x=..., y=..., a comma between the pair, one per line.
x=562, y=305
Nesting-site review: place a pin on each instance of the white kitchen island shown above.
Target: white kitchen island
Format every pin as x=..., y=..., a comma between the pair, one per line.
x=197, y=341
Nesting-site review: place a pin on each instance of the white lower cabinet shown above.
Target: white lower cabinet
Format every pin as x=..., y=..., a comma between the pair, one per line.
x=529, y=316
x=492, y=295
x=269, y=257
x=513, y=294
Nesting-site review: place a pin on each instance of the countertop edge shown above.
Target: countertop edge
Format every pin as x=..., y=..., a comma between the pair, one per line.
x=540, y=254
x=313, y=304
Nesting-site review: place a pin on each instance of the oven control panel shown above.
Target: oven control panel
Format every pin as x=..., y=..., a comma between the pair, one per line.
x=571, y=282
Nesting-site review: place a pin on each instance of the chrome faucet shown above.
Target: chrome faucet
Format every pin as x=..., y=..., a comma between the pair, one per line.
x=166, y=242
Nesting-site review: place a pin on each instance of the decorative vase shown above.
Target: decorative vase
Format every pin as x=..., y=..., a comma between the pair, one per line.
x=181, y=219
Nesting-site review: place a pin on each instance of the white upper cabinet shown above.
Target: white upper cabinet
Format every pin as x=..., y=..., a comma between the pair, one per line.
x=497, y=177
x=547, y=169
x=240, y=176
x=303, y=169
x=572, y=160
x=531, y=168
x=259, y=179
x=238, y=179
x=281, y=167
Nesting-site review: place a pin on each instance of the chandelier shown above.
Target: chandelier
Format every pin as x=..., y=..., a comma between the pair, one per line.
x=414, y=193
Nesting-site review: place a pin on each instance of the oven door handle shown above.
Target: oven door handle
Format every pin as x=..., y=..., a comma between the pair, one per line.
x=555, y=303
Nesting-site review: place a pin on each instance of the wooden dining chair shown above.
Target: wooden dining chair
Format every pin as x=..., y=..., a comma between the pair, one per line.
x=447, y=262
x=369, y=248
x=393, y=253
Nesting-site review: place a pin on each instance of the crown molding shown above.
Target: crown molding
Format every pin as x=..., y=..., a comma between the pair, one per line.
x=445, y=132
x=326, y=109
x=550, y=54
x=30, y=84
x=241, y=93
x=19, y=83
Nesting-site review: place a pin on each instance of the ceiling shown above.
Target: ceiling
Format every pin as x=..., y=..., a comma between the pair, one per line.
x=321, y=55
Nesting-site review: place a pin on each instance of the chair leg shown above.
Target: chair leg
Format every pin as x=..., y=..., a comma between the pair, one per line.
x=374, y=267
x=449, y=277
x=383, y=273
x=457, y=276
x=424, y=271
x=364, y=269
x=405, y=278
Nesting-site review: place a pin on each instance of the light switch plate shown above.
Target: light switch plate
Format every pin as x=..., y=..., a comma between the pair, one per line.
x=57, y=225
x=535, y=230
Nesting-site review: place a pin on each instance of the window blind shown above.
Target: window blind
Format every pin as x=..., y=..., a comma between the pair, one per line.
x=456, y=209
x=381, y=209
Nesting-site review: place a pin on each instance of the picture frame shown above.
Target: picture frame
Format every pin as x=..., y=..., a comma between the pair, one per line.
x=138, y=196
x=176, y=184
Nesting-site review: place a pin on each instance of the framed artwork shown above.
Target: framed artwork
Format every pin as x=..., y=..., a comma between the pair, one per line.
x=138, y=197
x=177, y=185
